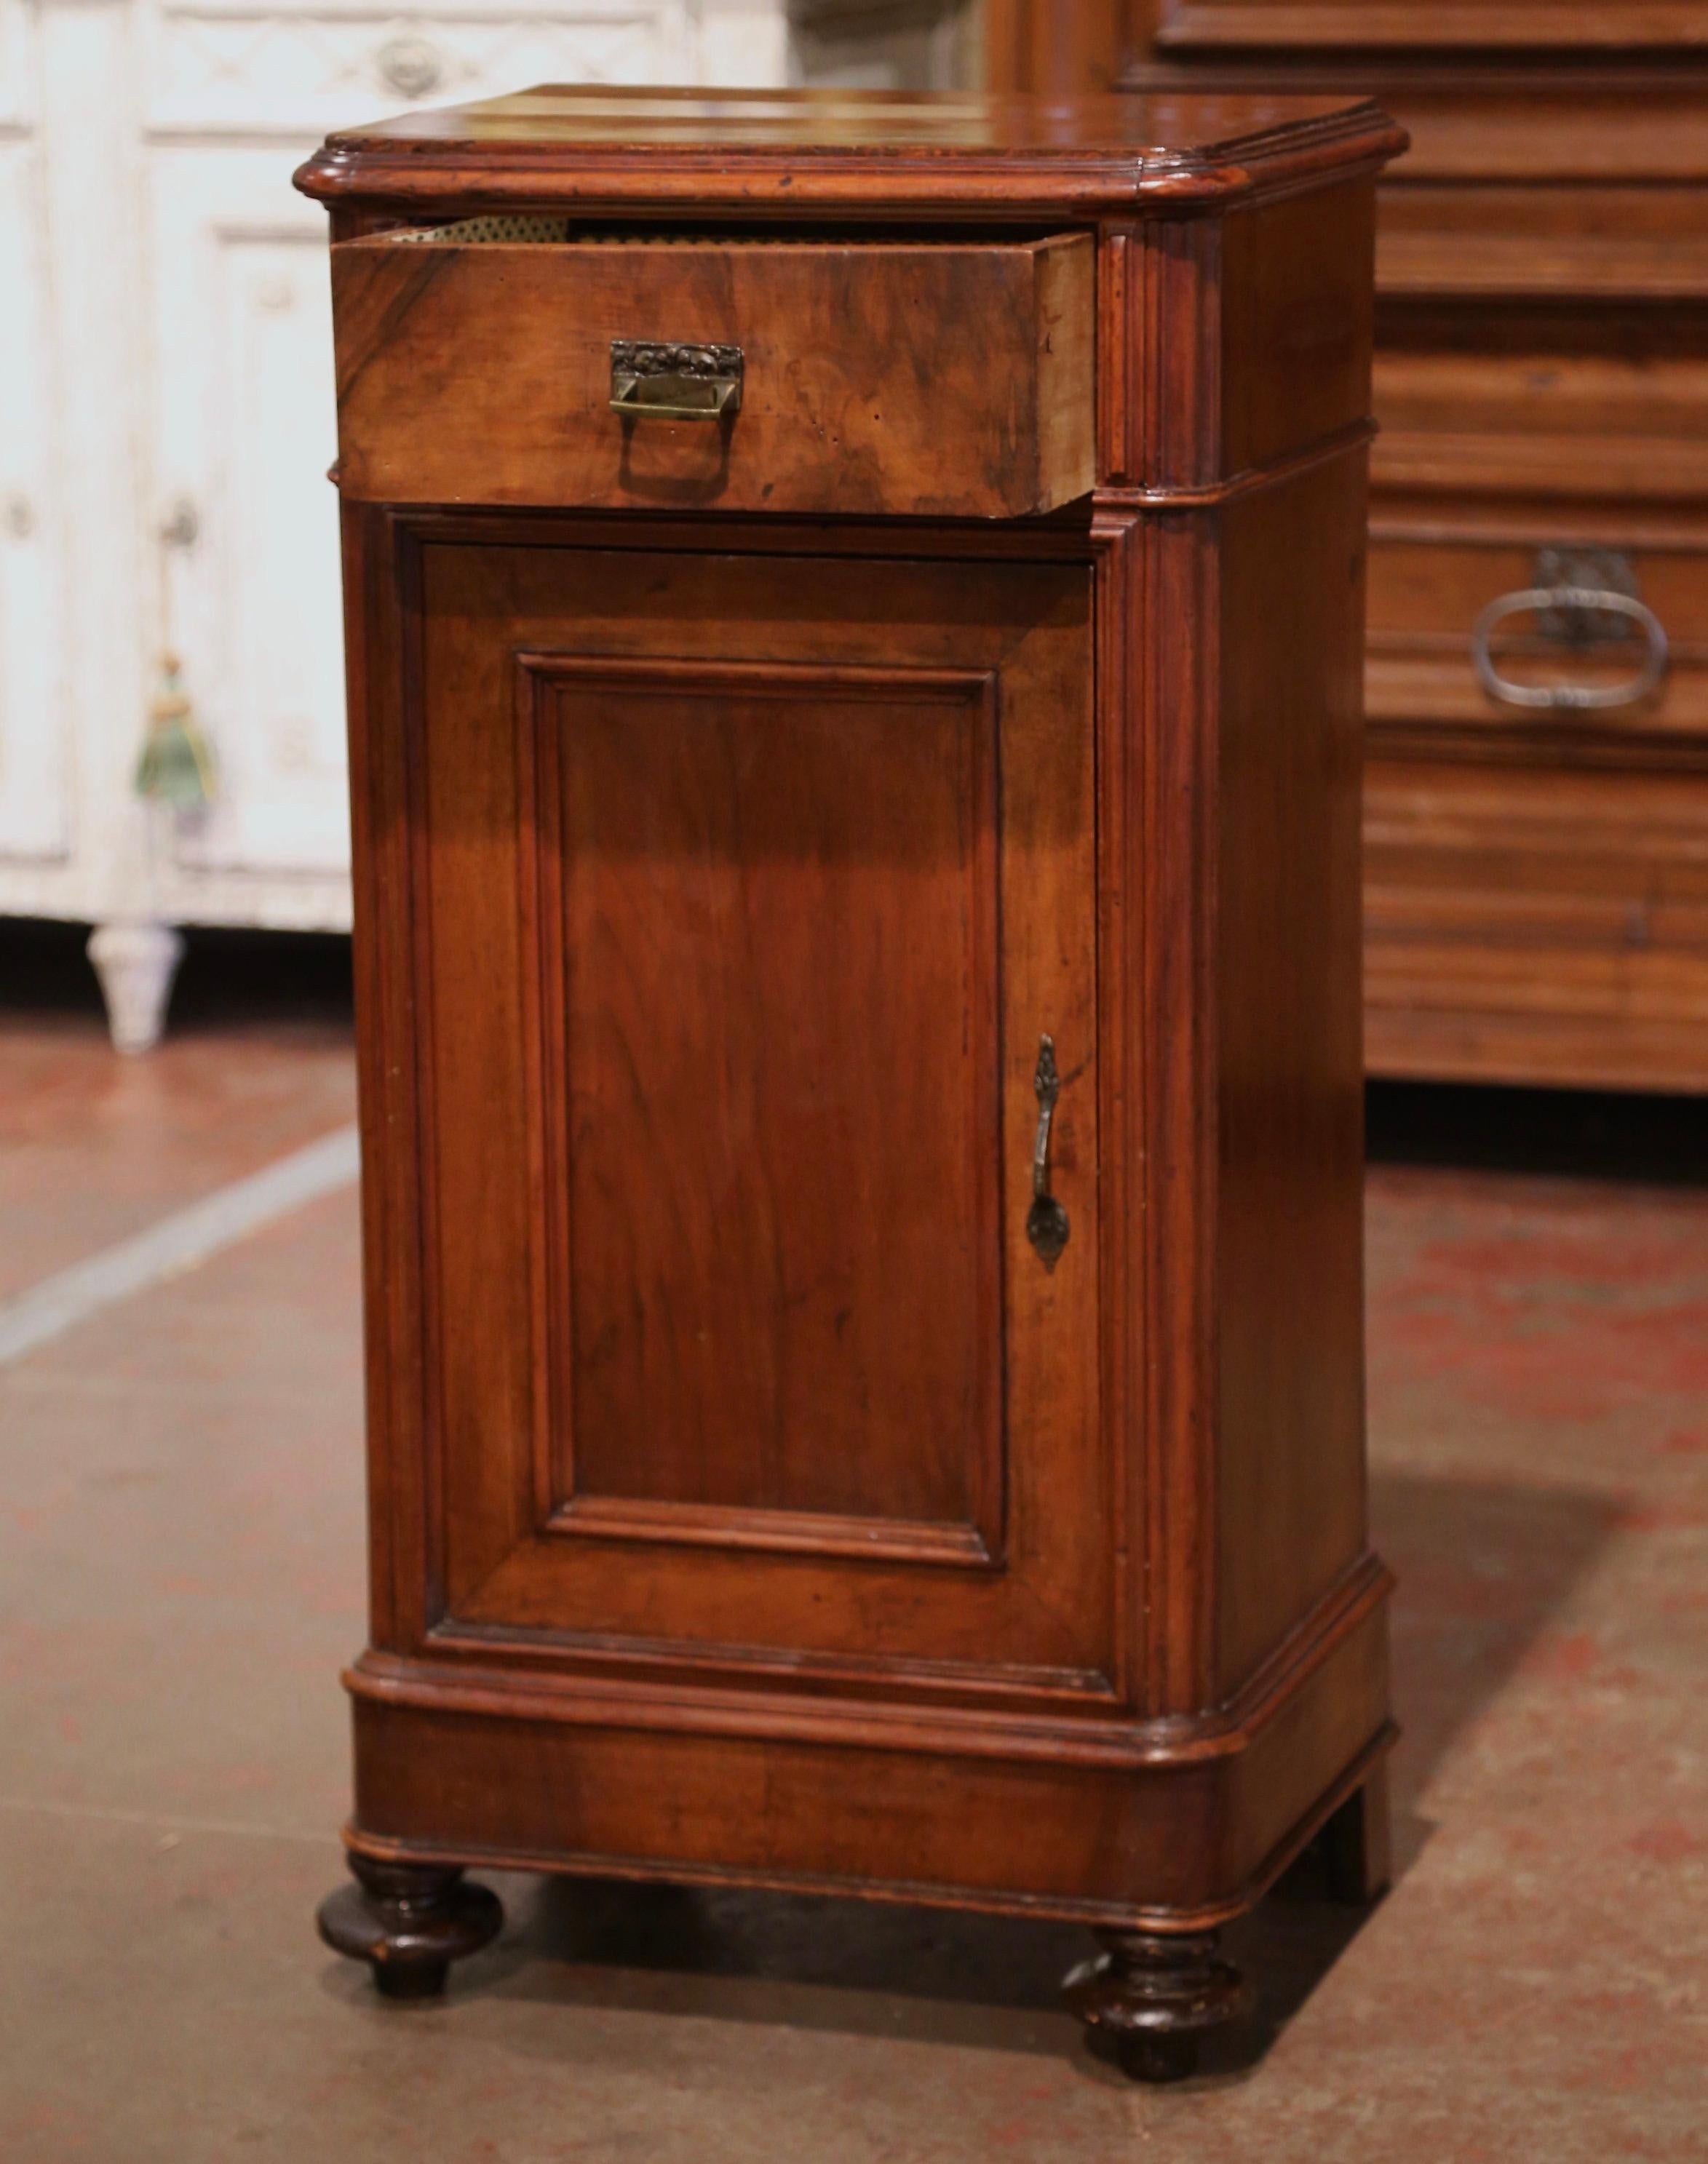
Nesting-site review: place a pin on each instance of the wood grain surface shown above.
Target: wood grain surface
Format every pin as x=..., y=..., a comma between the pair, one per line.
x=737, y=986
x=931, y=379
x=753, y=1501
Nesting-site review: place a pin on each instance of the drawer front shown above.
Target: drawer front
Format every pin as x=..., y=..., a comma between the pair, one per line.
x=1425, y=690
x=872, y=378
x=1535, y=925
x=1604, y=410
x=1504, y=240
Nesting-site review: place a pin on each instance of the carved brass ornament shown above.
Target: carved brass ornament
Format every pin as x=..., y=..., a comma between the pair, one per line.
x=667, y=382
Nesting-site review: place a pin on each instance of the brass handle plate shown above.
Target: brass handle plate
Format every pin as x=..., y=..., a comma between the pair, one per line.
x=675, y=382
x=1047, y=1225
x=1578, y=604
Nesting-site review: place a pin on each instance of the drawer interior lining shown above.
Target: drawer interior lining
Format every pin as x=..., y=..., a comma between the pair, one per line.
x=472, y=232
x=542, y=229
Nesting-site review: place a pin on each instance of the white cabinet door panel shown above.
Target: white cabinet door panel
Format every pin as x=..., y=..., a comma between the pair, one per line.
x=34, y=758
x=244, y=430
x=17, y=65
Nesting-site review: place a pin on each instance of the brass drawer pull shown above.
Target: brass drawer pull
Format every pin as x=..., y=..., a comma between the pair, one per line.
x=1046, y=1222
x=1574, y=619
x=676, y=382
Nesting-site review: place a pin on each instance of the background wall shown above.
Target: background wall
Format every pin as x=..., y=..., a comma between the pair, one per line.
x=885, y=45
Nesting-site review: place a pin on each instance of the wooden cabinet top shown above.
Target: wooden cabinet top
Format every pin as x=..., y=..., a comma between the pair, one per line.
x=770, y=153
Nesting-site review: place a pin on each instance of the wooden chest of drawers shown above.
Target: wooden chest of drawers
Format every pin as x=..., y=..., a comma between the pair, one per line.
x=1537, y=785
x=854, y=619
x=1537, y=873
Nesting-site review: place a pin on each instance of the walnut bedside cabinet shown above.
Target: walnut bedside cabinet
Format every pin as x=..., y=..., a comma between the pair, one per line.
x=855, y=616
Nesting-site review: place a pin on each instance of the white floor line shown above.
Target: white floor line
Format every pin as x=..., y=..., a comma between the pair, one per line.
x=176, y=1243
x=161, y=1821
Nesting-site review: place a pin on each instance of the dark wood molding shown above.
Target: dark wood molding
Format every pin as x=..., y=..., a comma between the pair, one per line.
x=536, y=1683
x=964, y=156
x=1350, y=441
x=775, y=1532
x=1365, y=1765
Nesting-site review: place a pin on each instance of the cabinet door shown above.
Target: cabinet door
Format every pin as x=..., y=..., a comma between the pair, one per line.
x=750, y=887
x=244, y=432
x=34, y=725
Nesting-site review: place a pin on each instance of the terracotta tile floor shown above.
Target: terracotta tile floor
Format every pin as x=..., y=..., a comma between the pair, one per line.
x=181, y=1577
x=94, y=1149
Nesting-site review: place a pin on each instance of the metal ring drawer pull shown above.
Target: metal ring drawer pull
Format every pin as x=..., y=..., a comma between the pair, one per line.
x=663, y=383
x=1579, y=697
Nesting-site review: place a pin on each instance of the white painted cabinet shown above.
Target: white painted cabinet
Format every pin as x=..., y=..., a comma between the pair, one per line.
x=887, y=45
x=166, y=416
x=36, y=752
x=242, y=429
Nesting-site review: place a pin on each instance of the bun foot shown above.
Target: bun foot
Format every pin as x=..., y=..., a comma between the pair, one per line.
x=409, y=1922
x=1145, y=2058
x=1151, y=1996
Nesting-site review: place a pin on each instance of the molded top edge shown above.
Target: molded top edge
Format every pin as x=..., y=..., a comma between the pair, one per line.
x=870, y=151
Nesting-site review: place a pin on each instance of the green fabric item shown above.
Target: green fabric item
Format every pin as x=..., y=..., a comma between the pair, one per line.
x=177, y=767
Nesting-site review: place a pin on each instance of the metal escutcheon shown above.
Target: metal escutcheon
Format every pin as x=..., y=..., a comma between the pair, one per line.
x=1047, y=1225
x=1573, y=616
x=676, y=382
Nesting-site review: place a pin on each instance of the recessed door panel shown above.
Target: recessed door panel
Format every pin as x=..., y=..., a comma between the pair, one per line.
x=752, y=887
x=766, y=896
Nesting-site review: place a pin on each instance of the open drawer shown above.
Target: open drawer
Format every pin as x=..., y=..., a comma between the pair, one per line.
x=516, y=361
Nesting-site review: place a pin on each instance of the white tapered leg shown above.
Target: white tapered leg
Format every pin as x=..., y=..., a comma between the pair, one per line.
x=136, y=963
